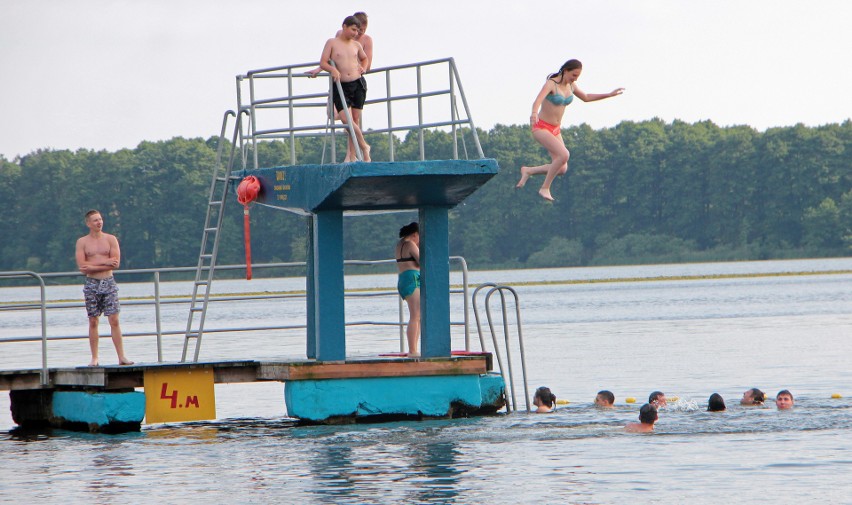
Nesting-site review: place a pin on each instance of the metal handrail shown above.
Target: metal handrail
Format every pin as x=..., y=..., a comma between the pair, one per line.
x=295, y=75
x=158, y=302
x=43, y=308
x=506, y=371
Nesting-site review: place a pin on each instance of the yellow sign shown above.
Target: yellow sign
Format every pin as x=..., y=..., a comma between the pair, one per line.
x=179, y=395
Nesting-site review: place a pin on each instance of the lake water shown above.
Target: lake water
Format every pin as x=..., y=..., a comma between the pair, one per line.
x=688, y=338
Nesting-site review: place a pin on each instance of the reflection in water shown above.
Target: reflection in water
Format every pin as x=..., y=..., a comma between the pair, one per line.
x=436, y=464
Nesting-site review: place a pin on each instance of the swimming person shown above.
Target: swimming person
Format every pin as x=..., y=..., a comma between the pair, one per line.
x=604, y=399
x=548, y=108
x=716, y=403
x=657, y=399
x=647, y=418
x=784, y=400
x=753, y=396
x=544, y=399
x=407, y=255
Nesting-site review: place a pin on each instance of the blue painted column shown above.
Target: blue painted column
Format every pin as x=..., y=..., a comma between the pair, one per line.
x=311, y=351
x=329, y=317
x=435, y=282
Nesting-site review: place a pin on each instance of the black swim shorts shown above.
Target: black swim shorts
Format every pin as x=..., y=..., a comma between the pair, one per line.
x=355, y=93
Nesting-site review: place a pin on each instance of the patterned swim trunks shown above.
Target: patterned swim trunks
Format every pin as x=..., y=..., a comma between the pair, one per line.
x=101, y=297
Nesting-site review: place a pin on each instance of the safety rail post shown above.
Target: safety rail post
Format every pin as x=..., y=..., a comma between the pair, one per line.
x=391, y=148
x=45, y=379
x=467, y=109
x=349, y=124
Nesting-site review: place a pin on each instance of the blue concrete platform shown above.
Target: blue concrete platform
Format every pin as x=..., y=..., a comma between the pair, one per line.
x=376, y=186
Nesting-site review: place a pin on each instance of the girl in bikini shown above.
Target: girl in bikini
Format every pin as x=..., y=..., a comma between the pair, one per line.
x=407, y=255
x=558, y=91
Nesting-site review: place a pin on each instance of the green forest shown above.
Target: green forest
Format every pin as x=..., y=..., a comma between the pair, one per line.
x=638, y=192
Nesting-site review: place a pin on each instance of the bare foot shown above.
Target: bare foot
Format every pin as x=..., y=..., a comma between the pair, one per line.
x=366, y=152
x=545, y=193
x=414, y=355
x=525, y=174
x=347, y=159
x=126, y=362
x=94, y=362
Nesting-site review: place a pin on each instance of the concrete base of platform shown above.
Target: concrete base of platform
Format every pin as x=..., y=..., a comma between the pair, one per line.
x=356, y=400
x=94, y=412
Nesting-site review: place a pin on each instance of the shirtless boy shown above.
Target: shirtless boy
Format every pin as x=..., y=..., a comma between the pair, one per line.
x=97, y=256
x=351, y=61
x=647, y=418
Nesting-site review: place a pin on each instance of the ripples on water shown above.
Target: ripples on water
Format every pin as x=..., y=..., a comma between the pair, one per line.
x=687, y=338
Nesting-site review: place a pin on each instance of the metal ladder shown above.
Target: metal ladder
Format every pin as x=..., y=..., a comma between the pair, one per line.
x=210, y=240
x=505, y=371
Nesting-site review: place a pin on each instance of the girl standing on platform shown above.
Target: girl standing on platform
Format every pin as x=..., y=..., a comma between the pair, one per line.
x=407, y=255
x=558, y=91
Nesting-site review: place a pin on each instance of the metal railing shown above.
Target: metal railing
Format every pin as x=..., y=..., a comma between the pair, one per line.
x=505, y=368
x=277, y=95
x=157, y=301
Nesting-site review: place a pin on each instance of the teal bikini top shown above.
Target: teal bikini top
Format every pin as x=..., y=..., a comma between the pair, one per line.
x=557, y=99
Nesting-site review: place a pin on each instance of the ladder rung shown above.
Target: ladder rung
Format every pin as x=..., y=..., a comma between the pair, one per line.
x=196, y=309
x=206, y=256
x=201, y=283
x=222, y=179
x=193, y=334
x=210, y=229
x=215, y=202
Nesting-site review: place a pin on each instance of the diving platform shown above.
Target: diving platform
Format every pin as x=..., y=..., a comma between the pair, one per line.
x=327, y=385
x=375, y=186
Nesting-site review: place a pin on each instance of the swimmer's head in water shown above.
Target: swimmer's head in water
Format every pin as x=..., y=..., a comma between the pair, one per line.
x=716, y=403
x=544, y=396
x=657, y=398
x=604, y=398
x=648, y=414
x=753, y=396
x=784, y=400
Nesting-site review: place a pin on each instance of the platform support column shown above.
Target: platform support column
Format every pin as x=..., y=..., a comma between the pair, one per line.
x=326, y=307
x=435, y=282
x=310, y=292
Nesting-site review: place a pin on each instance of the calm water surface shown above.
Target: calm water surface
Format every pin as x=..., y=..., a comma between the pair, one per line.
x=687, y=338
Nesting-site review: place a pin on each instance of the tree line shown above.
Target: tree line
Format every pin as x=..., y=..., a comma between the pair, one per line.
x=638, y=192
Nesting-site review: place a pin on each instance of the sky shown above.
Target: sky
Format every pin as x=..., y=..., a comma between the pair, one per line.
x=109, y=74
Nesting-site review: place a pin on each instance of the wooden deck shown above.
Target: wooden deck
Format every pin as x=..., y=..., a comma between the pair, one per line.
x=123, y=377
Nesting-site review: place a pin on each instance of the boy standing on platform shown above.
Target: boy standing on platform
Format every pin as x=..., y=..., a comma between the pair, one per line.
x=350, y=61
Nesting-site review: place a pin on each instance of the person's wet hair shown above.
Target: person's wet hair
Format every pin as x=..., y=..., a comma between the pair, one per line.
x=716, y=403
x=607, y=395
x=361, y=17
x=351, y=20
x=655, y=395
x=567, y=66
x=409, y=229
x=545, y=395
x=648, y=414
x=757, y=395
x=785, y=392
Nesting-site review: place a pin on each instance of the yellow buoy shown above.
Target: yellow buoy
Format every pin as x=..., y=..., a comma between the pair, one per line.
x=630, y=399
x=562, y=402
x=672, y=399
x=836, y=396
